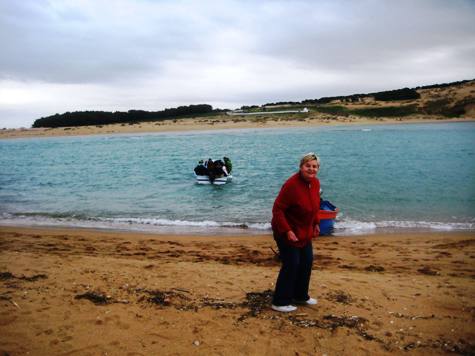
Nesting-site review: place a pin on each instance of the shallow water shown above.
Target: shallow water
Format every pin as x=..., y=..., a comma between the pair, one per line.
x=392, y=177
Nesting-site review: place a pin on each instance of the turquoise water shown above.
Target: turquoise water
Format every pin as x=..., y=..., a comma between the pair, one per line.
x=397, y=177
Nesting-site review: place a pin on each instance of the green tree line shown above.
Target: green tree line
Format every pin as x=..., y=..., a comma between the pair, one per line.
x=86, y=118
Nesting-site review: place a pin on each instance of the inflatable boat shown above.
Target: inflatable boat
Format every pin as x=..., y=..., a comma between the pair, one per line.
x=217, y=181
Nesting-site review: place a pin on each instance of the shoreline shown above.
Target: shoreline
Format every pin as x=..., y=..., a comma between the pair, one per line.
x=219, y=233
x=61, y=230
x=215, y=123
x=168, y=294
x=185, y=230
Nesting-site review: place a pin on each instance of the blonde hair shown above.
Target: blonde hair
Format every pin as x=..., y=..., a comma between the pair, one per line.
x=309, y=157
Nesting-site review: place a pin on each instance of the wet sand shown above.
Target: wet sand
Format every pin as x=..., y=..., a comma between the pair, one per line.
x=93, y=292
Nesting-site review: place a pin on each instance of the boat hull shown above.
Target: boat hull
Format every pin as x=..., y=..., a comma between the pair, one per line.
x=217, y=181
x=327, y=214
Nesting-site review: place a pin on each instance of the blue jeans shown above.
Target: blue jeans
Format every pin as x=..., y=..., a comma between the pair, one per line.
x=294, y=276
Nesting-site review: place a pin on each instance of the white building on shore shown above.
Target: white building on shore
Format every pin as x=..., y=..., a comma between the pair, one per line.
x=242, y=113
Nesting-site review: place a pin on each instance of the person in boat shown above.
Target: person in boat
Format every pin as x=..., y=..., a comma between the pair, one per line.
x=200, y=169
x=225, y=171
x=295, y=222
x=228, y=165
x=220, y=168
x=211, y=170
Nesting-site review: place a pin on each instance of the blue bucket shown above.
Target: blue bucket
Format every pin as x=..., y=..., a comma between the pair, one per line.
x=327, y=213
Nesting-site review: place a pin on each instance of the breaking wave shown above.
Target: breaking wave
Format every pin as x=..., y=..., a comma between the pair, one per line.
x=343, y=227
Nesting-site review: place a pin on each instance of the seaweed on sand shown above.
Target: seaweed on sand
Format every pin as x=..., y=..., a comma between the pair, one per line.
x=4, y=276
x=95, y=297
x=256, y=302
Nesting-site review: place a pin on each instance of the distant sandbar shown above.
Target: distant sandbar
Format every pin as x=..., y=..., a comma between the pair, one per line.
x=219, y=123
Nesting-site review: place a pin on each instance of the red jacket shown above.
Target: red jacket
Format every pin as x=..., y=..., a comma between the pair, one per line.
x=296, y=208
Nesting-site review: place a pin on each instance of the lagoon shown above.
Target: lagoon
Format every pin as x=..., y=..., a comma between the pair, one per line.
x=392, y=177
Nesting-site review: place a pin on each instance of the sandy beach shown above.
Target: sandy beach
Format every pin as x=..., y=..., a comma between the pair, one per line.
x=222, y=122
x=93, y=292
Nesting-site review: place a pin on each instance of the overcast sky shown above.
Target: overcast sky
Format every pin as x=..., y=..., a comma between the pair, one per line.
x=69, y=55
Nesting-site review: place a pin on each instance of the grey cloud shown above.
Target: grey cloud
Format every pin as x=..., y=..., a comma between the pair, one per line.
x=102, y=43
x=348, y=35
x=153, y=54
x=46, y=44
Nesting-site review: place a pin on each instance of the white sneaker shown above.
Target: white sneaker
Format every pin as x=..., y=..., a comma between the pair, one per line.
x=284, y=308
x=309, y=301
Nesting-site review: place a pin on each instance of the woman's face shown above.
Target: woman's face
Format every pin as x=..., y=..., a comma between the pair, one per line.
x=309, y=170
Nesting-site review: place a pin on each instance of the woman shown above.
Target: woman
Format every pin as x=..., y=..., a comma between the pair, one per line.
x=294, y=223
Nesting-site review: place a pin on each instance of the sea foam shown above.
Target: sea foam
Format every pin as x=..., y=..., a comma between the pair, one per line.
x=343, y=227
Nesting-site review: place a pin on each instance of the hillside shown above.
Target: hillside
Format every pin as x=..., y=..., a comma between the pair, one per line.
x=443, y=100
x=435, y=101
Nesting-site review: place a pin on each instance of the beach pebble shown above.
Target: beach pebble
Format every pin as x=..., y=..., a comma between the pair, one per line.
x=196, y=343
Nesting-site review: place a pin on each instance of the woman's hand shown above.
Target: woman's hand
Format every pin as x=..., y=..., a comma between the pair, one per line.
x=291, y=236
x=316, y=231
